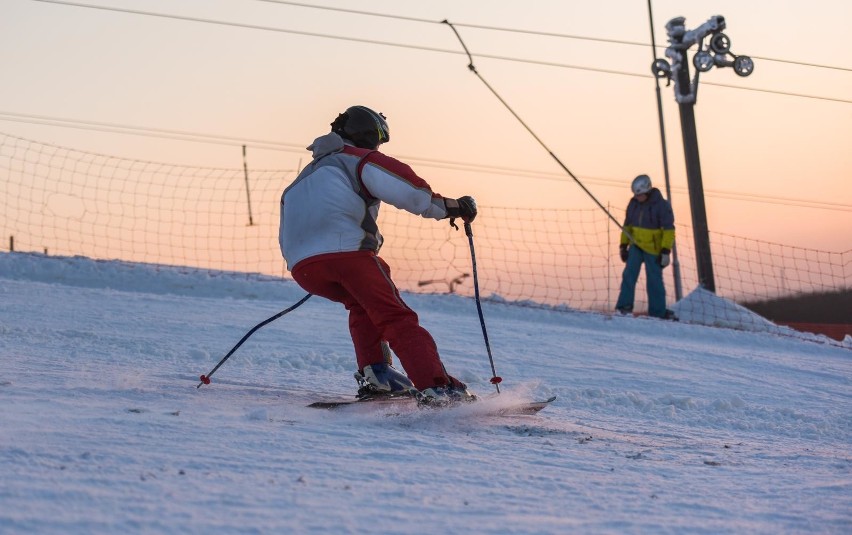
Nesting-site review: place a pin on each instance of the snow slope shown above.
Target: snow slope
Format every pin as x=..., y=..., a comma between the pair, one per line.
x=659, y=427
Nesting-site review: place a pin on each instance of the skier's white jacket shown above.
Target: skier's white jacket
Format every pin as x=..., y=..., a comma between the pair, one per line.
x=333, y=204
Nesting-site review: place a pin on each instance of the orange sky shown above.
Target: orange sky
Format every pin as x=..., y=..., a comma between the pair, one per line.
x=105, y=66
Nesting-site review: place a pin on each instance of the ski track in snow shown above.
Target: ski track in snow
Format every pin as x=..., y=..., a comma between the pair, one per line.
x=658, y=427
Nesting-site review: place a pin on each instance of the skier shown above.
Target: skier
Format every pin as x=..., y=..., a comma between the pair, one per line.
x=330, y=241
x=650, y=223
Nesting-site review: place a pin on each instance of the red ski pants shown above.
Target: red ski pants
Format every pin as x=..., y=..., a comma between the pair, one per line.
x=361, y=281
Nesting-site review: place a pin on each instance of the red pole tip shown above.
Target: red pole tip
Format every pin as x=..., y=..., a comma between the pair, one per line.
x=205, y=379
x=495, y=380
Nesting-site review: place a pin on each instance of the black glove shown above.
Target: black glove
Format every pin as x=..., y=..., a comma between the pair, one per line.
x=463, y=207
x=665, y=257
x=622, y=252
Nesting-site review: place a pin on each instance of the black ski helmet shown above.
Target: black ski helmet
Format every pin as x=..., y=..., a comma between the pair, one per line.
x=362, y=126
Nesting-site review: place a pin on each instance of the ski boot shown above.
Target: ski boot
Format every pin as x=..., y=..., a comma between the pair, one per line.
x=382, y=380
x=444, y=396
x=670, y=315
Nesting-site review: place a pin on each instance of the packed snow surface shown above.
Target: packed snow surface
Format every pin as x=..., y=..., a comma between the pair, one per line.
x=659, y=427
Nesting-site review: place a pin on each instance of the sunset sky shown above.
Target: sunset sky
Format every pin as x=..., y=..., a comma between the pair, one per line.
x=776, y=147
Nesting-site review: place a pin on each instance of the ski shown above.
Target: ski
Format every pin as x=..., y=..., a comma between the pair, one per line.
x=521, y=407
x=342, y=402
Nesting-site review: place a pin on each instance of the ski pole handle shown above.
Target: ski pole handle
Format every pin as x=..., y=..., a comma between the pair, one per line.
x=468, y=230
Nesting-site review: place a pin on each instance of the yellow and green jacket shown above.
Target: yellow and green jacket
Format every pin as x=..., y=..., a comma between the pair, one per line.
x=651, y=223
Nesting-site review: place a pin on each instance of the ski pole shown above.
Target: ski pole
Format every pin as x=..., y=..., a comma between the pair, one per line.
x=205, y=379
x=495, y=379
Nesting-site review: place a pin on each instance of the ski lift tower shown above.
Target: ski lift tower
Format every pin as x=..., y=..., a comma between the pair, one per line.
x=716, y=53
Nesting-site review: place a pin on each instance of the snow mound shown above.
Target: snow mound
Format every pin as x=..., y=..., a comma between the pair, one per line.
x=706, y=308
x=145, y=278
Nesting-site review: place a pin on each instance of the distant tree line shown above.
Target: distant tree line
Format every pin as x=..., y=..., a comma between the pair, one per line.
x=823, y=307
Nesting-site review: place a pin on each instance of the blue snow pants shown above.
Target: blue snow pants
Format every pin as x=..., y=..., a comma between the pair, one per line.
x=653, y=276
